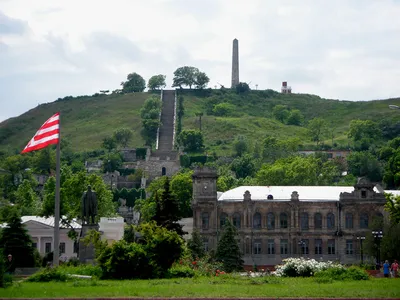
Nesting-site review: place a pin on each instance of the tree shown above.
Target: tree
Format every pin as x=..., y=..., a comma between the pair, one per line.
x=72, y=187
x=150, y=114
x=109, y=143
x=168, y=213
x=295, y=117
x=122, y=136
x=134, y=84
x=242, y=88
x=240, y=145
x=16, y=241
x=44, y=161
x=228, y=251
x=156, y=82
x=182, y=188
x=243, y=166
x=393, y=207
x=195, y=245
x=185, y=76
x=26, y=199
x=280, y=112
x=201, y=80
x=317, y=129
x=364, y=164
x=360, y=129
x=191, y=140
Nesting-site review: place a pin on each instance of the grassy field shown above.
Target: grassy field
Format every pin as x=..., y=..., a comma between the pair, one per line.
x=87, y=120
x=208, y=287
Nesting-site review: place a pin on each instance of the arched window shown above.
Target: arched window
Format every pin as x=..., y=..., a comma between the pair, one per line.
x=236, y=220
x=304, y=221
x=205, y=220
x=330, y=221
x=163, y=171
x=283, y=218
x=222, y=219
x=318, y=221
x=364, y=220
x=349, y=220
x=257, y=220
x=270, y=197
x=270, y=221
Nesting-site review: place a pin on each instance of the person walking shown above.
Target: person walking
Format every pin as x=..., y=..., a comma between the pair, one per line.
x=386, y=268
x=394, y=267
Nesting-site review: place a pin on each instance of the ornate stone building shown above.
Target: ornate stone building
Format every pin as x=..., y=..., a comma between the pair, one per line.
x=275, y=222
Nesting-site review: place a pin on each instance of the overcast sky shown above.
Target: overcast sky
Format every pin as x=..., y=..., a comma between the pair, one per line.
x=341, y=49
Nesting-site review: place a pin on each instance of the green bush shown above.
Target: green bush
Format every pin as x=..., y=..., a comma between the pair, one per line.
x=352, y=273
x=179, y=271
x=49, y=274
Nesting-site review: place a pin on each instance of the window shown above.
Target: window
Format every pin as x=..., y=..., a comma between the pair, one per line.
x=318, y=221
x=364, y=220
x=236, y=220
x=284, y=220
x=204, y=220
x=284, y=246
x=257, y=247
x=62, y=248
x=270, y=221
x=222, y=220
x=331, y=247
x=304, y=221
x=304, y=246
x=318, y=246
x=34, y=245
x=76, y=247
x=271, y=247
x=349, y=221
x=47, y=247
x=257, y=221
x=330, y=221
x=163, y=171
x=363, y=194
x=349, y=247
x=205, y=245
x=270, y=197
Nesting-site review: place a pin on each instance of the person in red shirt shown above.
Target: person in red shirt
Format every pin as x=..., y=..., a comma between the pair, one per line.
x=394, y=268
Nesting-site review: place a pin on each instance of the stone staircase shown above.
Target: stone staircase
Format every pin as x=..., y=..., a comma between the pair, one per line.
x=166, y=130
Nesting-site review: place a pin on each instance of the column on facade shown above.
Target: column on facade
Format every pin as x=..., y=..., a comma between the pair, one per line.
x=39, y=244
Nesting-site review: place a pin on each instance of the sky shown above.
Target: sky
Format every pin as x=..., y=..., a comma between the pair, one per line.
x=342, y=49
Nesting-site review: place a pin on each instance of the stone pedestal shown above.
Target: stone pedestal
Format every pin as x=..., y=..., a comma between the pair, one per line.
x=86, y=252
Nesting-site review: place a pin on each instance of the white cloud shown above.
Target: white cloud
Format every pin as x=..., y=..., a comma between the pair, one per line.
x=336, y=49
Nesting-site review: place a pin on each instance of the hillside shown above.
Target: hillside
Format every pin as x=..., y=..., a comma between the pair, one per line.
x=87, y=120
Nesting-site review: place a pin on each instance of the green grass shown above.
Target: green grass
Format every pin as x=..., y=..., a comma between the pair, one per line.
x=208, y=287
x=87, y=120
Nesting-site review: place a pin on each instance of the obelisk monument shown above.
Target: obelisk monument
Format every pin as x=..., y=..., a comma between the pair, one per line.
x=235, y=63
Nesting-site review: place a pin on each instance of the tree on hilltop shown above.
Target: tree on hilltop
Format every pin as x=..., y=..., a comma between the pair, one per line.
x=134, y=84
x=156, y=82
x=190, y=76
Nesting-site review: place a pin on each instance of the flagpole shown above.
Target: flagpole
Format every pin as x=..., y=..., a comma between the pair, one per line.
x=57, y=205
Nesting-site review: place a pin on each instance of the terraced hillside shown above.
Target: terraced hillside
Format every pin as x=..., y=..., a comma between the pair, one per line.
x=87, y=120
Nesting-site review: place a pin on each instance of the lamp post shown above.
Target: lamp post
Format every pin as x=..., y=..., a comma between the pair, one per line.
x=361, y=238
x=378, y=235
x=302, y=244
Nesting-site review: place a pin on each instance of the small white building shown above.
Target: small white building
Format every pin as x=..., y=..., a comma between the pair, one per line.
x=41, y=231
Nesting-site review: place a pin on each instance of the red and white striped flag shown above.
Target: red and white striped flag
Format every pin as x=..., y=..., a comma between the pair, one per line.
x=48, y=134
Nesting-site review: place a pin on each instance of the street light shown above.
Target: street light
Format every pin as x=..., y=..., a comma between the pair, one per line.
x=378, y=235
x=361, y=238
x=303, y=246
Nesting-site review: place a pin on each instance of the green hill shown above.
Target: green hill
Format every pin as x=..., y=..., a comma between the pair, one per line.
x=87, y=120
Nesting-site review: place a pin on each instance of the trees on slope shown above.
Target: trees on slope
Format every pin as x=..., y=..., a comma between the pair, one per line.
x=190, y=76
x=134, y=83
x=156, y=82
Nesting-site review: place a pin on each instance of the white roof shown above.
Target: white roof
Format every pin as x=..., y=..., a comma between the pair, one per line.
x=49, y=221
x=283, y=193
x=394, y=192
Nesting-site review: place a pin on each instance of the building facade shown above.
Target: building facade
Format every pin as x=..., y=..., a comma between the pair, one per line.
x=276, y=222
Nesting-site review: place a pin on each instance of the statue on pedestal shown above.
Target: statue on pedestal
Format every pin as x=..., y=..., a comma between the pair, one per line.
x=89, y=206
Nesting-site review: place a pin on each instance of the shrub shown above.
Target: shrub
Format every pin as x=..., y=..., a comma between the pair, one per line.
x=83, y=269
x=294, y=267
x=223, y=109
x=49, y=274
x=179, y=271
x=352, y=273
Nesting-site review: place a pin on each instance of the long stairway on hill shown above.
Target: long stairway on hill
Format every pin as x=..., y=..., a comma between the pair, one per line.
x=166, y=131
